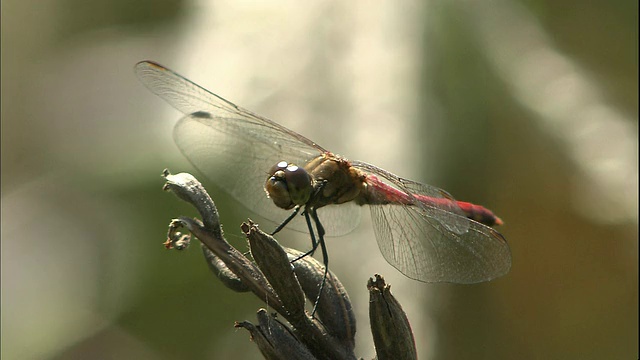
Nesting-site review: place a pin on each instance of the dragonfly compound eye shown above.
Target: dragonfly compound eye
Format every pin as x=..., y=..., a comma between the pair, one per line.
x=282, y=165
x=276, y=188
x=288, y=185
x=298, y=183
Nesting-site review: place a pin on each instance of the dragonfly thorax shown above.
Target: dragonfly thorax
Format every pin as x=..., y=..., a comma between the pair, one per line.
x=336, y=181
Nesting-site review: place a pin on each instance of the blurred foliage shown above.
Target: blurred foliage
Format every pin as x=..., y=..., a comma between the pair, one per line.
x=78, y=17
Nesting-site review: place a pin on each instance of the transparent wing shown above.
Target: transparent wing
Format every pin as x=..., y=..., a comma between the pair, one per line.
x=235, y=148
x=236, y=155
x=435, y=242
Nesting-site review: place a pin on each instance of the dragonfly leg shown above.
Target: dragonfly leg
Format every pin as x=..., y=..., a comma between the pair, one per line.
x=293, y=214
x=314, y=243
x=319, y=186
x=308, y=214
x=325, y=257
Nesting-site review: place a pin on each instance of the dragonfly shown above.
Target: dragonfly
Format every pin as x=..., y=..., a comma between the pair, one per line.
x=421, y=230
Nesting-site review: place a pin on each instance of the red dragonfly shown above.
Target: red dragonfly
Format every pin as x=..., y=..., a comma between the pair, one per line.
x=421, y=230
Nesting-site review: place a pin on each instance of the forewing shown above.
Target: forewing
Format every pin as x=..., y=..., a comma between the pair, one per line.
x=235, y=148
x=191, y=98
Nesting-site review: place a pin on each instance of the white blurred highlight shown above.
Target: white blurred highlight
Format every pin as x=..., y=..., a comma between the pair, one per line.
x=341, y=90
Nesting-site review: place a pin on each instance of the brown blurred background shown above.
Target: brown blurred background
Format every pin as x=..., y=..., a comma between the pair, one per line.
x=528, y=107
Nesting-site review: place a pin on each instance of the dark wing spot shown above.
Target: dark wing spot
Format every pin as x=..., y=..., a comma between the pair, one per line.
x=202, y=115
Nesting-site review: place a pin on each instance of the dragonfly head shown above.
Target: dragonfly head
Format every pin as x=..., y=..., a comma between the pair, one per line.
x=288, y=185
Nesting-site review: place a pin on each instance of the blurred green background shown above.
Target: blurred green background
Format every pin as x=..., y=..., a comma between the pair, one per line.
x=529, y=108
